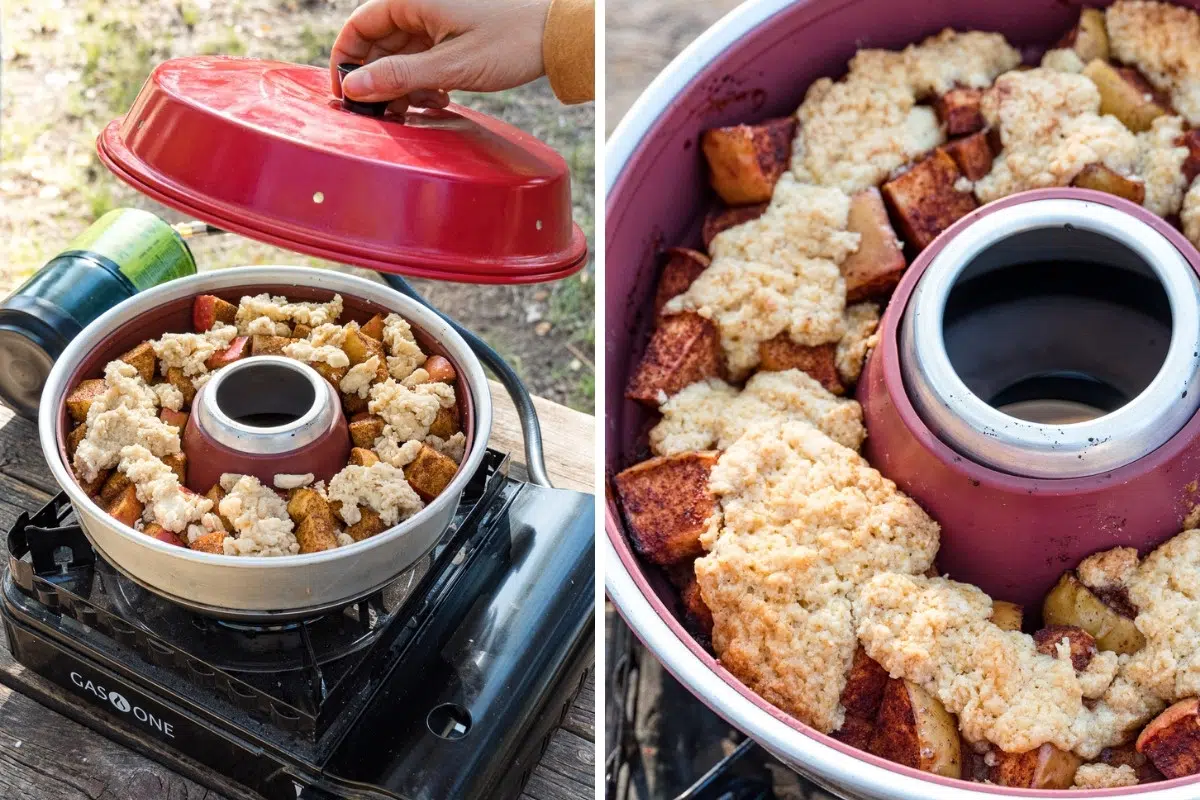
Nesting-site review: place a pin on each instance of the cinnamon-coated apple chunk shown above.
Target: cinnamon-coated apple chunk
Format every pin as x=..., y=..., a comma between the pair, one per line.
x=666, y=501
x=1072, y=603
x=183, y=383
x=819, y=361
x=913, y=728
x=142, y=359
x=77, y=435
x=316, y=533
x=81, y=397
x=208, y=310
x=926, y=198
x=125, y=507
x=430, y=472
x=1081, y=644
x=873, y=270
x=696, y=614
x=722, y=219
x=683, y=266
x=156, y=531
x=1046, y=767
x=1007, y=616
x=973, y=154
x=960, y=110
x=1103, y=179
x=176, y=418
x=685, y=348
x=238, y=349
x=745, y=161
x=210, y=543
x=1172, y=739
x=1089, y=37
x=1127, y=95
x=365, y=429
x=865, y=685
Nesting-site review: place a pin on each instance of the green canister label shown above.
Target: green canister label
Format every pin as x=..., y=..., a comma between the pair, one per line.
x=144, y=248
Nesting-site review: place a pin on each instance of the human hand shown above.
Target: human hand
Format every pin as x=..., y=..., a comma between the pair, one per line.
x=414, y=51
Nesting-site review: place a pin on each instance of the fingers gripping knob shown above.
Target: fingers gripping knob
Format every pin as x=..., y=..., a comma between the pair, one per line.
x=358, y=107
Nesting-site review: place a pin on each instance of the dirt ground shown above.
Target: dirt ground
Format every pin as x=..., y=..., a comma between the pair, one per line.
x=71, y=66
x=642, y=37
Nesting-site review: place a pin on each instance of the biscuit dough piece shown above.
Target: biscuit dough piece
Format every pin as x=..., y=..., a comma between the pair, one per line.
x=803, y=523
x=712, y=414
x=937, y=633
x=857, y=131
x=1163, y=41
x=1050, y=129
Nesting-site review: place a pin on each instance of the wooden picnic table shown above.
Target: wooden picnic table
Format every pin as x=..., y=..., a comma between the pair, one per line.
x=46, y=756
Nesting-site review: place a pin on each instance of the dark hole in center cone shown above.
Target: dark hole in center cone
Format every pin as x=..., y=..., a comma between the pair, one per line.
x=265, y=395
x=1057, y=335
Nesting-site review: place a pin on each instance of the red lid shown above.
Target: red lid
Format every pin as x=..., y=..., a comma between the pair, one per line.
x=262, y=148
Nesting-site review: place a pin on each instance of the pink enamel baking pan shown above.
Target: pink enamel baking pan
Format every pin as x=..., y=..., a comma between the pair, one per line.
x=1020, y=497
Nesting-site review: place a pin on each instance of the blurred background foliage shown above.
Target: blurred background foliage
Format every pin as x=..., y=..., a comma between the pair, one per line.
x=71, y=66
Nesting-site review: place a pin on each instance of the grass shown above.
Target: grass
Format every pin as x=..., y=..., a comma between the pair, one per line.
x=228, y=43
x=71, y=67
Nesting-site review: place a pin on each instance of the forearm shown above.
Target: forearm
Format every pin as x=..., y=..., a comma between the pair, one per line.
x=568, y=49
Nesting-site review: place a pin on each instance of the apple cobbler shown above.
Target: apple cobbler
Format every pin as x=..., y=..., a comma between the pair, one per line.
x=127, y=452
x=808, y=573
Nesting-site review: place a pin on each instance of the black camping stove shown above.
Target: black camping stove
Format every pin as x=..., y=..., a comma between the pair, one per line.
x=446, y=684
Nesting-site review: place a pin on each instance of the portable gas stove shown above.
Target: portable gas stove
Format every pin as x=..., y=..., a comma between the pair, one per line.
x=446, y=683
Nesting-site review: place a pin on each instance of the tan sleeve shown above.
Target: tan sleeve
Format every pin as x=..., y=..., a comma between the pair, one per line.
x=569, y=49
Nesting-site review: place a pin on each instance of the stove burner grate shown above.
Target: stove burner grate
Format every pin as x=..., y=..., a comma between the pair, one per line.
x=289, y=674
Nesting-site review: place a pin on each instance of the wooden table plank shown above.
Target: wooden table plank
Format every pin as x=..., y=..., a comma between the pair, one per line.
x=568, y=438
x=46, y=756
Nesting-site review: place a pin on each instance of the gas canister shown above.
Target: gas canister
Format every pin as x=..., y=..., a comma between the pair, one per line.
x=122, y=253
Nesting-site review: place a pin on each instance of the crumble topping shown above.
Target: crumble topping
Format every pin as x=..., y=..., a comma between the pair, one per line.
x=125, y=414
x=1050, y=130
x=1166, y=590
x=454, y=448
x=381, y=487
x=1104, y=776
x=861, y=321
x=856, y=132
x=803, y=522
x=404, y=354
x=265, y=326
x=950, y=59
x=777, y=273
x=280, y=311
x=409, y=412
x=158, y=489
x=168, y=396
x=324, y=344
x=1189, y=216
x=936, y=632
x=1160, y=163
x=802, y=221
x=358, y=379
x=1108, y=569
x=261, y=525
x=712, y=414
x=189, y=351
x=1163, y=42
x=285, y=482
x=1063, y=59
x=395, y=452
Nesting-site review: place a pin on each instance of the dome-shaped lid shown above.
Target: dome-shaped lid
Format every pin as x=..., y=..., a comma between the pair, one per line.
x=264, y=149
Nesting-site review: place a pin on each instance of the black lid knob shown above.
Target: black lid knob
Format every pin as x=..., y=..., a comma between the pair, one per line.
x=369, y=109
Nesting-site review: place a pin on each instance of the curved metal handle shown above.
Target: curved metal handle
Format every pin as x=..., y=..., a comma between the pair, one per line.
x=531, y=428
